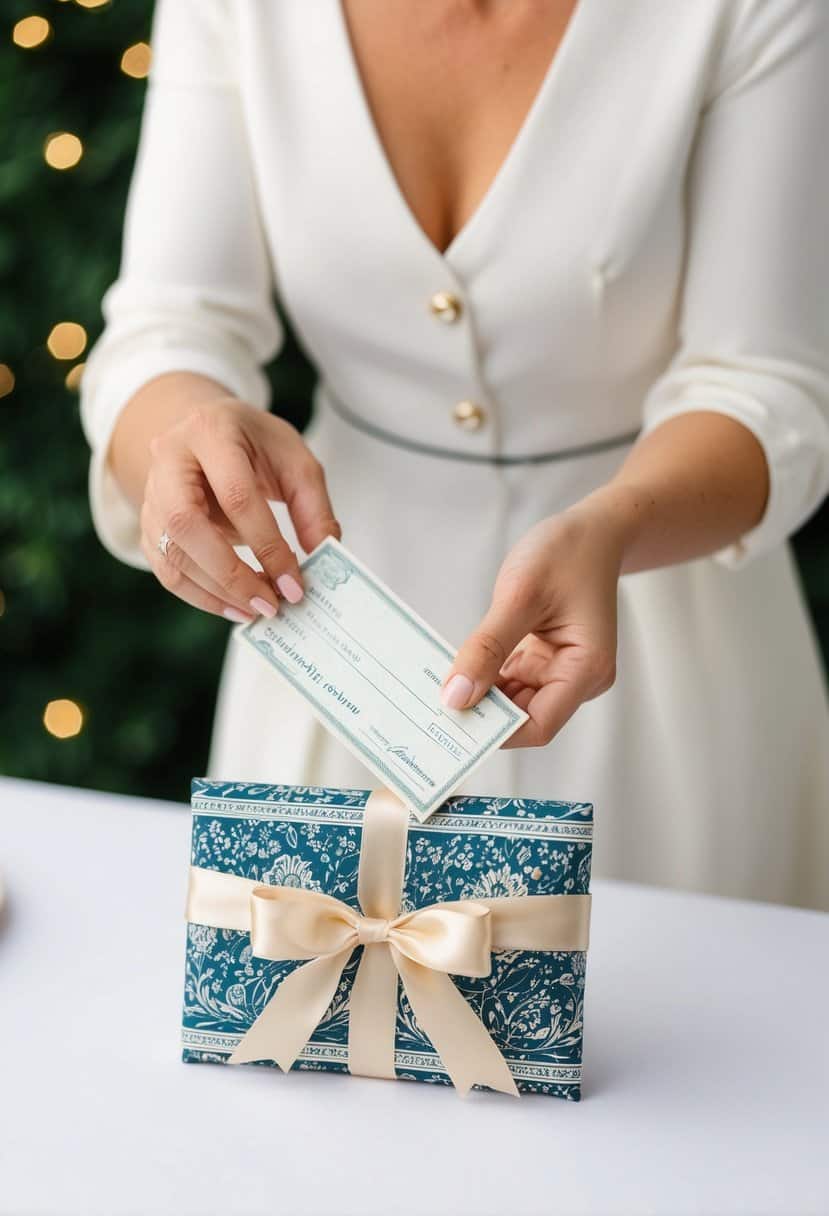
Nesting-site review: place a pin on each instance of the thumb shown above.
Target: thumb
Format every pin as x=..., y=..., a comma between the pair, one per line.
x=484, y=652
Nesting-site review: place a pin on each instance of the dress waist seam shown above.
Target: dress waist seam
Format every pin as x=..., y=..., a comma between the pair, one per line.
x=427, y=449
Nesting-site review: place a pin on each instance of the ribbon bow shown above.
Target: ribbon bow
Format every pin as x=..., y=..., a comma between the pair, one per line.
x=423, y=948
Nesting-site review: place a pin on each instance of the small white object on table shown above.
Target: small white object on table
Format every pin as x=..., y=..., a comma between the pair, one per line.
x=706, y=1083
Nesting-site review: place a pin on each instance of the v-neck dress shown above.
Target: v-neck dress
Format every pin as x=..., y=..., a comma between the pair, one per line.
x=654, y=243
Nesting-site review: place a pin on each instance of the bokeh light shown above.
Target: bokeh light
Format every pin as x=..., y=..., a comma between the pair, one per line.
x=6, y=379
x=31, y=31
x=63, y=718
x=73, y=376
x=67, y=340
x=62, y=150
x=135, y=60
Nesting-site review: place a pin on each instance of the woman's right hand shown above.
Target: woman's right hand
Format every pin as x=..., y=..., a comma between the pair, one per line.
x=209, y=477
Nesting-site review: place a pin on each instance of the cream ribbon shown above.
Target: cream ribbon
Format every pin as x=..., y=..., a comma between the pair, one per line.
x=423, y=948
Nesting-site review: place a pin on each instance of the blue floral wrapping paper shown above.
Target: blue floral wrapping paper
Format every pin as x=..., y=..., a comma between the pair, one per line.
x=474, y=847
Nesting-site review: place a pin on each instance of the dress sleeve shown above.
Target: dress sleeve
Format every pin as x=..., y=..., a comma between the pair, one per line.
x=754, y=312
x=195, y=287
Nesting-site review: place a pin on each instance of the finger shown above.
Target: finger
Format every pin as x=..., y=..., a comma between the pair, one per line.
x=510, y=688
x=178, y=583
x=232, y=479
x=513, y=658
x=176, y=556
x=578, y=677
x=177, y=497
x=549, y=708
x=530, y=663
x=302, y=479
x=485, y=651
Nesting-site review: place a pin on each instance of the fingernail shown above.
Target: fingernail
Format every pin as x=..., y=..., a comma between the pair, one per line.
x=233, y=614
x=262, y=607
x=457, y=692
x=510, y=661
x=290, y=588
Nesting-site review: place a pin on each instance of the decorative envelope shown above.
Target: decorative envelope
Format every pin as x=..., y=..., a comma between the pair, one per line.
x=327, y=929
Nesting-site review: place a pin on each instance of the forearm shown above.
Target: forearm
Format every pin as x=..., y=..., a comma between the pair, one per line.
x=157, y=405
x=695, y=483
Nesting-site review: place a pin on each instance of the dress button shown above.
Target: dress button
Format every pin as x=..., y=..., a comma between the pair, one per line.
x=469, y=415
x=446, y=306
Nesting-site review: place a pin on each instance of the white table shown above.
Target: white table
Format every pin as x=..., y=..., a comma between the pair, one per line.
x=706, y=1059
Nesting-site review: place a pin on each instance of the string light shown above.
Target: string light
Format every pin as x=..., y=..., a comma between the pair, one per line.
x=6, y=379
x=31, y=31
x=73, y=376
x=62, y=150
x=67, y=340
x=63, y=718
x=135, y=60
x=91, y=3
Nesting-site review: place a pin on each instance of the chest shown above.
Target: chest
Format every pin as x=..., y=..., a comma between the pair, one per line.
x=567, y=270
x=449, y=86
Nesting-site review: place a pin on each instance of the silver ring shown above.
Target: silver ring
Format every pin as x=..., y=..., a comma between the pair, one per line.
x=164, y=542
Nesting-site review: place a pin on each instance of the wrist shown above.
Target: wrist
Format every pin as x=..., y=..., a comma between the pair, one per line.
x=621, y=512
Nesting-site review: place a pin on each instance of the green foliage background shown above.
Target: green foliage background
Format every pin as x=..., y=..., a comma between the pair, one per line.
x=76, y=623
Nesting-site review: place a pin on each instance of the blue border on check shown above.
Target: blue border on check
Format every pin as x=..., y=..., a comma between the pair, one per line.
x=373, y=760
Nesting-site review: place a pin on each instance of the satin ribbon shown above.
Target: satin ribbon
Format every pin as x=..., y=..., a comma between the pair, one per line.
x=423, y=948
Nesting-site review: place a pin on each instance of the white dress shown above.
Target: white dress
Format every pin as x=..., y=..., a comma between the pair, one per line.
x=654, y=243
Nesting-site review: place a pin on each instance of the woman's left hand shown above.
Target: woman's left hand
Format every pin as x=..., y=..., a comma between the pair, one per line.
x=548, y=639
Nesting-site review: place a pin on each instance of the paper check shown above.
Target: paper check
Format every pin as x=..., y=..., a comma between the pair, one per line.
x=371, y=669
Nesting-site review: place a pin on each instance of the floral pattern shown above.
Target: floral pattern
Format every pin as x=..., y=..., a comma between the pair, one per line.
x=532, y=1003
x=290, y=871
x=496, y=884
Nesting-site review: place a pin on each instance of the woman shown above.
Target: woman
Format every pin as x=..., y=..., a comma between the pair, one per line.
x=513, y=238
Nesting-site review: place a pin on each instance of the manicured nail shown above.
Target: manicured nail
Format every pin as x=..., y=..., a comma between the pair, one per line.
x=241, y=618
x=262, y=607
x=457, y=692
x=510, y=661
x=290, y=588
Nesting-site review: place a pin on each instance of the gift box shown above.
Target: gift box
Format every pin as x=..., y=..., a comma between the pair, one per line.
x=329, y=929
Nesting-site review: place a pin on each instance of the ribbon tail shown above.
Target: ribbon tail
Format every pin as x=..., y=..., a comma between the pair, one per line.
x=372, y=1015
x=460, y=1038
x=292, y=1014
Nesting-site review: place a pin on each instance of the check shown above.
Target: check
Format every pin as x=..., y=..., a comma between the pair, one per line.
x=371, y=669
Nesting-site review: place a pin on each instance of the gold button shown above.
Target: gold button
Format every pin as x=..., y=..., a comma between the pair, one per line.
x=469, y=415
x=446, y=306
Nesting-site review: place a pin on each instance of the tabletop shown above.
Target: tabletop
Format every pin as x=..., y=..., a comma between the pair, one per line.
x=706, y=1072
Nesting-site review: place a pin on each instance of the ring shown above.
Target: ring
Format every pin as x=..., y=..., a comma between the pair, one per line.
x=163, y=542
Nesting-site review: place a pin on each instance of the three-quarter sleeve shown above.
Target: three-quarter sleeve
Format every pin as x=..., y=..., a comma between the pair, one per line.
x=194, y=290
x=754, y=321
